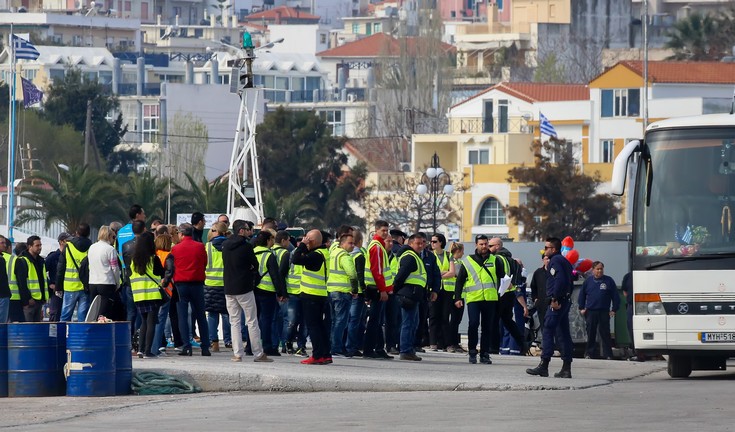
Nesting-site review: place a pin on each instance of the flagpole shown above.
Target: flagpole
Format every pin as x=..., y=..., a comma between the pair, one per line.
x=11, y=141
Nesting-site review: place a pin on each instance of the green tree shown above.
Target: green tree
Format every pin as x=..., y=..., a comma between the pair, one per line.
x=699, y=37
x=149, y=192
x=295, y=209
x=205, y=196
x=222, y=6
x=70, y=197
x=66, y=103
x=561, y=199
x=298, y=155
x=549, y=70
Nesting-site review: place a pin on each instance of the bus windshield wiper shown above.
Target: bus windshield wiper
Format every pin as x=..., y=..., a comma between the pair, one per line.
x=711, y=256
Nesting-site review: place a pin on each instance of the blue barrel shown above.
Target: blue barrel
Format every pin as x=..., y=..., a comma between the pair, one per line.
x=123, y=359
x=90, y=366
x=3, y=360
x=34, y=359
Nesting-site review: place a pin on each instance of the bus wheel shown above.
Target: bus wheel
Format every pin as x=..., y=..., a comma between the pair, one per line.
x=679, y=366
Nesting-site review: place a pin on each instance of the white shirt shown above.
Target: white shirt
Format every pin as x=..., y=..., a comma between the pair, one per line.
x=103, y=264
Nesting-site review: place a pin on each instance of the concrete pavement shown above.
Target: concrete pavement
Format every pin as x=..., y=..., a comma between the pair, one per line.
x=437, y=372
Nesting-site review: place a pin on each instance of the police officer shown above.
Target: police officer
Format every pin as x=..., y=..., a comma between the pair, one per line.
x=558, y=291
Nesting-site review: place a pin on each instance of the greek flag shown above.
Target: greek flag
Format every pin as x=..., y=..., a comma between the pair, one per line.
x=546, y=127
x=31, y=94
x=24, y=49
x=685, y=237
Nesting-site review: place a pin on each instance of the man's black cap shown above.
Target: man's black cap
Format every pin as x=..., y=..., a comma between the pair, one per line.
x=398, y=233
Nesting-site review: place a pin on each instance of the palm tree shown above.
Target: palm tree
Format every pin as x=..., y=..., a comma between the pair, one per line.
x=701, y=37
x=74, y=196
x=222, y=6
x=294, y=209
x=204, y=196
x=149, y=192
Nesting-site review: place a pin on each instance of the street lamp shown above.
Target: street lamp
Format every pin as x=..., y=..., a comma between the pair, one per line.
x=438, y=184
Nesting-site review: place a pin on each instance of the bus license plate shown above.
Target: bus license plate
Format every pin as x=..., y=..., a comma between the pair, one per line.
x=717, y=337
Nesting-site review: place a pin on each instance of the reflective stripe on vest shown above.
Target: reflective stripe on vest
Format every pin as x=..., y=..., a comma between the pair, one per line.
x=315, y=282
x=32, y=282
x=293, y=282
x=447, y=283
x=72, y=283
x=12, y=281
x=418, y=276
x=387, y=272
x=279, y=252
x=266, y=283
x=506, y=266
x=338, y=280
x=142, y=286
x=480, y=285
x=215, y=271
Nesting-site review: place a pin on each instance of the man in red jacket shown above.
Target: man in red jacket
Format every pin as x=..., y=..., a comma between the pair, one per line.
x=185, y=265
x=379, y=283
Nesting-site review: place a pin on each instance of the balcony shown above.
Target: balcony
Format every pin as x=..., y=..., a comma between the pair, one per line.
x=149, y=89
x=314, y=96
x=489, y=126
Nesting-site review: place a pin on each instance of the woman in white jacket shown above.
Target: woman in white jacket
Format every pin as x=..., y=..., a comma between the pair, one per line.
x=104, y=274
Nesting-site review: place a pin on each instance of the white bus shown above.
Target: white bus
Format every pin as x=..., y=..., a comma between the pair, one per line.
x=683, y=243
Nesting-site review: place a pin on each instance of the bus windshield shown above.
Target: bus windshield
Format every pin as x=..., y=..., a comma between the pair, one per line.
x=692, y=198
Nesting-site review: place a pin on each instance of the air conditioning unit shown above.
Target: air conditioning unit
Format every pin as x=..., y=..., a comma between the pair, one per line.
x=351, y=97
x=525, y=129
x=405, y=166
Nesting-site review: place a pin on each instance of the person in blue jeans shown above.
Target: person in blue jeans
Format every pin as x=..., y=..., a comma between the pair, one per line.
x=358, y=311
x=409, y=286
x=68, y=277
x=342, y=282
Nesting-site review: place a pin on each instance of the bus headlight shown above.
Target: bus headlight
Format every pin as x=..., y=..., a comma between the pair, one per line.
x=649, y=304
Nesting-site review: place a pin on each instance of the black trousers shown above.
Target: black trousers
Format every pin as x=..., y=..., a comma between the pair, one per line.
x=598, y=320
x=451, y=317
x=374, y=339
x=422, y=331
x=114, y=307
x=481, y=314
x=436, y=322
x=15, y=312
x=505, y=305
x=147, y=331
x=315, y=313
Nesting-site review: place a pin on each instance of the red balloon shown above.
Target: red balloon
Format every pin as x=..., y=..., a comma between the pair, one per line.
x=585, y=265
x=568, y=242
x=573, y=256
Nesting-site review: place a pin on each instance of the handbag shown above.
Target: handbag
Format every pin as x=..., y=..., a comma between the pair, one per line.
x=165, y=297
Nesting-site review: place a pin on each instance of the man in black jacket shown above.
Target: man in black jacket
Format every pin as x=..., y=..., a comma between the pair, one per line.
x=31, y=279
x=240, y=264
x=507, y=302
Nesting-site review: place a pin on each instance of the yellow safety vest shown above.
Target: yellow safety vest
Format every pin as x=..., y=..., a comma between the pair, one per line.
x=481, y=285
x=457, y=265
x=143, y=287
x=266, y=283
x=338, y=280
x=215, y=271
x=293, y=282
x=33, y=283
x=279, y=251
x=387, y=271
x=12, y=281
x=315, y=282
x=448, y=283
x=72, y=283
x=506, y=267
x=418, y=276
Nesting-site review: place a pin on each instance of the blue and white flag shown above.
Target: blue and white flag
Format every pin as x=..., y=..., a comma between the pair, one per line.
x=31, y=94
x=685, y=237
x=546, y=127
x=24, y=49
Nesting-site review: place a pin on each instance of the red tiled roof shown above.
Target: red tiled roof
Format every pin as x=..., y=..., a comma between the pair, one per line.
x=685, y=72
x=285, y=11
x=379, y=44
x=539, y=92
x=380, y=154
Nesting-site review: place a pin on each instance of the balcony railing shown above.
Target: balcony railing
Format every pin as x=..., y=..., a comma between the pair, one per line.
x=480, y=125
x=317, y=95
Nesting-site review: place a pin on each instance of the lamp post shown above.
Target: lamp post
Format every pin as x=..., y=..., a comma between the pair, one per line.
x=438, y=184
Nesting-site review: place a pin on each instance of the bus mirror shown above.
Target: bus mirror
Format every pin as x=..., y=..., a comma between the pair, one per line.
x=620, y=168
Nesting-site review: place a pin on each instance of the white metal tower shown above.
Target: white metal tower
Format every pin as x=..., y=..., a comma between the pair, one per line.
x=244, y=197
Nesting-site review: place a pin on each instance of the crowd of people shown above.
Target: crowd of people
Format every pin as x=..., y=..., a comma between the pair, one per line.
x=389, y=295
